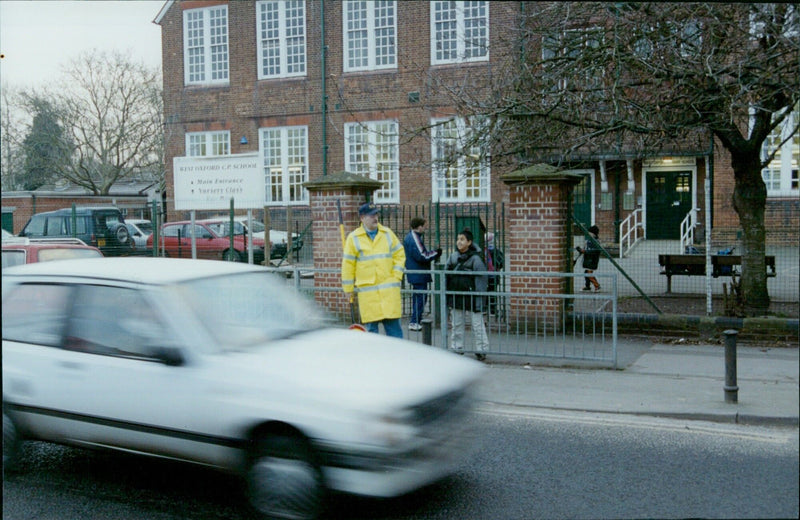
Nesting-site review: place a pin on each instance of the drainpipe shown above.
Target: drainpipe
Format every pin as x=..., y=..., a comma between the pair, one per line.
x=324, y=91
x=708, y=187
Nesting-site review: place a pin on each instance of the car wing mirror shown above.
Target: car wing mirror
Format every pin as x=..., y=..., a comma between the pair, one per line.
x=170, y=356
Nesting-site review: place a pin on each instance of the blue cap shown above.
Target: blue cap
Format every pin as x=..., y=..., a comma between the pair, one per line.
x=368, y=209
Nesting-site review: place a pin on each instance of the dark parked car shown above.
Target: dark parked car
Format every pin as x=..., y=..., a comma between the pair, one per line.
x=100, y=227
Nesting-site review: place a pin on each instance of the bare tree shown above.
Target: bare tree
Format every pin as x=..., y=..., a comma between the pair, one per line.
x=12, y=128
x=112, y=110
x=586, y=80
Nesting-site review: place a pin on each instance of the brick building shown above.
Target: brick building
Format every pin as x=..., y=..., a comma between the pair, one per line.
x=318, y=87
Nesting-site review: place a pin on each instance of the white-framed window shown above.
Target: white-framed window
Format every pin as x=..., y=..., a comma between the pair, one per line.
x=461, y=172
x=205, y=45
x=372, y=150
x=459, y=32
x=370, y=29
x=285, y=154
x=202, y=144
x=571, y=45
x=781, y=174
x=281, y=30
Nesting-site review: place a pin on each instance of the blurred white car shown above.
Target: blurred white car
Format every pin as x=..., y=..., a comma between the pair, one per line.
x=139, y=230
x=187, y=359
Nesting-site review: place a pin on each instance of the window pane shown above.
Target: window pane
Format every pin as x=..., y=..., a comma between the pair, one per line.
x=206, y=45
x=282, y=38
x=36, y=313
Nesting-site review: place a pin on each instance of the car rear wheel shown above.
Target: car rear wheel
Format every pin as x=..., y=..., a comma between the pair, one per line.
x=231, y=255
x=10, y=444
x=284, y=480
x=121, y=234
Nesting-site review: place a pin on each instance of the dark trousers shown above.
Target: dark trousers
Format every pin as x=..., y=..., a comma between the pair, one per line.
x=419, y=297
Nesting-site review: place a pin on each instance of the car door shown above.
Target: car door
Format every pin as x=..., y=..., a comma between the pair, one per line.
x=171, y=240
x=107, y=385
x=208, y=244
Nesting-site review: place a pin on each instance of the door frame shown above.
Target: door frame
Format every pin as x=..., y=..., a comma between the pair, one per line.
x=591, y=173
x=677, y=164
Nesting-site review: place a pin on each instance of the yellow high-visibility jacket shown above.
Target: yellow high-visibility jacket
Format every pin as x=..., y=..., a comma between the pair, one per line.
x=374, y=270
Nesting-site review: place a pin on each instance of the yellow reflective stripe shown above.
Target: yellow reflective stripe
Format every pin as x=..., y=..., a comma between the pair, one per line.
x=376, y=256
x=370, y=288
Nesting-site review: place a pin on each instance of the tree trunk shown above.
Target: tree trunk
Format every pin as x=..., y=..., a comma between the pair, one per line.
x=749, y=201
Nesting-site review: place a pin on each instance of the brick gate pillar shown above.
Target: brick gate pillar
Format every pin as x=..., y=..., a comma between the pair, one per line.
x=538, y=220
x=326, y=194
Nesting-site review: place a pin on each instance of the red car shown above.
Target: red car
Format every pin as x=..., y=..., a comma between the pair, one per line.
x=212, y=241
x=18, y=250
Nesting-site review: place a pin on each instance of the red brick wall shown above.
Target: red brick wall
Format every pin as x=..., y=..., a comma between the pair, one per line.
x=537, y=224
x=247, y=104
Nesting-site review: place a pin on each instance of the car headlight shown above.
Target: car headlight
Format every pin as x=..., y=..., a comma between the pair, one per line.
x=392, y=431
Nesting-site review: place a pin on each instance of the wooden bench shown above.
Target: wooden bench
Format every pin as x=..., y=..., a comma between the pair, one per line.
x=695, y=265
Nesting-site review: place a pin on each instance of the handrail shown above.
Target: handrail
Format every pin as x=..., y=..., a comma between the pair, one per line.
x=687, y=229
x=629, y=232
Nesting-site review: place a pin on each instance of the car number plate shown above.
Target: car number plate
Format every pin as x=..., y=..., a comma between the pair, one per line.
x=101, y=242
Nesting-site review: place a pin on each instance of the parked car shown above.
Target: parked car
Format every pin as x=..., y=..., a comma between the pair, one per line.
x=278, y=239
x=212, y=241
x=102, y=227
x=225, y=365
x=139, y=229
x=19, y=250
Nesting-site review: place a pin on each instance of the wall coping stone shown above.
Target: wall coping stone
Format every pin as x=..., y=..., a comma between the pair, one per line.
x=342, y=180
x=541, y=174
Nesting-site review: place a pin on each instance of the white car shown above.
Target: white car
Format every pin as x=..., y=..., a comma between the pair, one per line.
x=277, y=238
x=139, y=230
x=223, y=364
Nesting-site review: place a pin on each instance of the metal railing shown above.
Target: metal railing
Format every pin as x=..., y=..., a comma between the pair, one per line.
x=631, y=231
x=519, y=321
x=687, y=229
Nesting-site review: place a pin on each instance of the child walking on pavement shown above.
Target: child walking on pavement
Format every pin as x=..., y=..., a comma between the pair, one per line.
x=591, y=257
x=463, y=262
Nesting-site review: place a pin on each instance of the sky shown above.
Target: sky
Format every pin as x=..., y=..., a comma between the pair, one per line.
x=38, y=38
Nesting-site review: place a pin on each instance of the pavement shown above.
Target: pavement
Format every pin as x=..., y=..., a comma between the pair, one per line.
x=677, y=380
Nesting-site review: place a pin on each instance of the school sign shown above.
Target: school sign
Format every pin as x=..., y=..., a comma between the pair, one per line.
x=209, y=183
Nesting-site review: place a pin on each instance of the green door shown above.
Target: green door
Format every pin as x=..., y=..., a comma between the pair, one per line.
x=582, y=201
x=8, y=221
x=669, y=200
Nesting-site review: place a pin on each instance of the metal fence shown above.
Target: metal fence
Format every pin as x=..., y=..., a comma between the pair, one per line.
x=521, y=322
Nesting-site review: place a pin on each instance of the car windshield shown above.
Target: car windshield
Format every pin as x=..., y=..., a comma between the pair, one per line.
x=247, y=309
x=46, y=255
x=256, y=226
x=145, y=227
x=223, y=228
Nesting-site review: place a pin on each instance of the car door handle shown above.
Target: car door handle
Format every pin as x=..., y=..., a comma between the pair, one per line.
x=71, y=365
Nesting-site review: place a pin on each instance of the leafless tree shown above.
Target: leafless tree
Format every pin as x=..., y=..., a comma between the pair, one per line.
x=12, y=132
x=112, y=109
x=584, y=80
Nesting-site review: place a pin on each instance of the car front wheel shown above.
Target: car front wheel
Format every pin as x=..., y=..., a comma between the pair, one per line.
x=284, y=480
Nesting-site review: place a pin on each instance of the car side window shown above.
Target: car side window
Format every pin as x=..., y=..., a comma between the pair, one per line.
x=12, y=257
x=35, y=227
x=56, y=226
x=114, y=321
x=170, y=231
x=36, y=313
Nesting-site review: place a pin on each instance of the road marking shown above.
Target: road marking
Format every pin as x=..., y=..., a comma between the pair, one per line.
x=757, y=433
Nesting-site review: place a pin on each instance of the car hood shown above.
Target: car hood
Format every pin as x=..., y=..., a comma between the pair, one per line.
x=356, y=369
